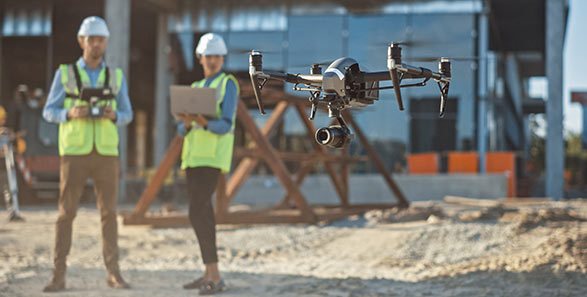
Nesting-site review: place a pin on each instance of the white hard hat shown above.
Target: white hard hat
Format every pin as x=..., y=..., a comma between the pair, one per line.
x=211, y=44
x=93, y=26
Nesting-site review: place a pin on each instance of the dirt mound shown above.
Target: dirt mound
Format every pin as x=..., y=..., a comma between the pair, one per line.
x=488, y=213
x=401, y=215
x=526, y=221
x=569, y=252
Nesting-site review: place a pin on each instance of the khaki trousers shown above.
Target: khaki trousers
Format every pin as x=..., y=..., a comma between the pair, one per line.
x=75, y=170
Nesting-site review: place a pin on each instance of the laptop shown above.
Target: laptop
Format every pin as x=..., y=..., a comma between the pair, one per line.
x=185, y=99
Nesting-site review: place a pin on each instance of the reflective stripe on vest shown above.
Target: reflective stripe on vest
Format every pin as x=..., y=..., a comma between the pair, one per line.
x=79, y=136
x=204, y=148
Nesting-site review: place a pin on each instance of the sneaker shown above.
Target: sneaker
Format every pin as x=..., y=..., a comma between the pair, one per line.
x=210, y=288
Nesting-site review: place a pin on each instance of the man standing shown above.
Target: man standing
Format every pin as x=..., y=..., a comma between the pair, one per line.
x=88, y=144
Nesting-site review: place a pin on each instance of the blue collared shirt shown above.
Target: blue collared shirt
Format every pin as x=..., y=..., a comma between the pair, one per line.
x=54, y=111
x=228, y=107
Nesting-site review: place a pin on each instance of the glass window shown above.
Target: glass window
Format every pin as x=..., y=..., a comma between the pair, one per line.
x=26, y=21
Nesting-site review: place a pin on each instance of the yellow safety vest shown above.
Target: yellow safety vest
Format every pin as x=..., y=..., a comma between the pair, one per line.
x=204, y=148
x=79, y=136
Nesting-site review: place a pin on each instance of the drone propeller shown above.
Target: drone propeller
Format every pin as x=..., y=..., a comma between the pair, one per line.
x=241, y=51
x=436, y=59
x=412, y=43
x=321, y=63
x=407, y=43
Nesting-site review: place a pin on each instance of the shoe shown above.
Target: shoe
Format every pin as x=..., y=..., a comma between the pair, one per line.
x=15, y=218
x=210, y=288
x=54, y=286
x=117, y=282
x=196, y=284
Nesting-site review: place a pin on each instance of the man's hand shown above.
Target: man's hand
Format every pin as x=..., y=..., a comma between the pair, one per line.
x=77, y=112
x=109, y=113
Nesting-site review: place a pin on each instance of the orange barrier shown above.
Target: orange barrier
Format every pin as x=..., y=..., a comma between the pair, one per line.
x=503, y=162
x=426, y=163
x=463, y=162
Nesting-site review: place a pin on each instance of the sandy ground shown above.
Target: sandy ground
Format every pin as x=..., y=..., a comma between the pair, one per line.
x=432, y=249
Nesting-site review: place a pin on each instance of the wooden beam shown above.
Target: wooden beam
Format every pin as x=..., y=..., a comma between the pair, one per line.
x=471, y=201
x=140, y=140
x=300, y=176
x=376, y=160
x=321, y=150
x=275, y=163
x=247, y=165
x=289, y=216
x=301, y=156
x=167, y=221
x=324, y=214
x=362, y=206
x=345, y=172
x=169, y=160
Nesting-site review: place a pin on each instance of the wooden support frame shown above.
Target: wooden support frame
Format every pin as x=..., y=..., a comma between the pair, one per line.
x=335, y=165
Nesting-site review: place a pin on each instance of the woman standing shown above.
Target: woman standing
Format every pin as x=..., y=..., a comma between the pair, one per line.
x=206, y=153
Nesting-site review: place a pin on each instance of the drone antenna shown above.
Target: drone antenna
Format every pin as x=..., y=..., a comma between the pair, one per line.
x=256, y=67
x=394, y=59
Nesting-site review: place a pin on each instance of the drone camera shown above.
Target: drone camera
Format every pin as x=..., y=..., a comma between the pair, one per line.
x=333, y=136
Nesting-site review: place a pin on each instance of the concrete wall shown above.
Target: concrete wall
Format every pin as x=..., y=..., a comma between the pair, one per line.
x=259, y=190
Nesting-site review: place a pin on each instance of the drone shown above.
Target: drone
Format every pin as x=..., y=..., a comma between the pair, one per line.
x=343, y=85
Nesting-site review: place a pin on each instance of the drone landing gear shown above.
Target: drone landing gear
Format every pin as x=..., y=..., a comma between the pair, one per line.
x=314, y=99
x=443, y=86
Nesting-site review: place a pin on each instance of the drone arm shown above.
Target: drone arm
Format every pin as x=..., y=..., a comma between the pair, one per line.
x=307, y=79
x=364, y=77
x=421, y=72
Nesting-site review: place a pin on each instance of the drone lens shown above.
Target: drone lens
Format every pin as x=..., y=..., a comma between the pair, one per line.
x=333, y=136
x=323, y=136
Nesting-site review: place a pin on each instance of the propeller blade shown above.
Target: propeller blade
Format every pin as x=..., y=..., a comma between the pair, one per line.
x=407, y=43
x=240, y=51
x=321, y=63
x=435, y=59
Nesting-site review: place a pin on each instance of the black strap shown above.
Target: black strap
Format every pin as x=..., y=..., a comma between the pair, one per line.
x=78, y=80
x=107, y=78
